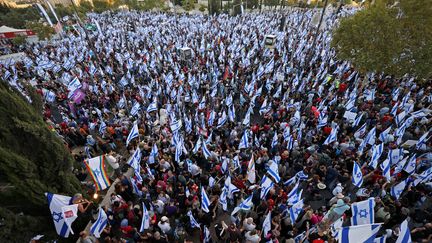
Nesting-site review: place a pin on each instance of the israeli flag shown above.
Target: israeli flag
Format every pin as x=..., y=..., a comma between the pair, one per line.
x=422, y=140
x=290, y=181
x=301, y=175
x=102, y=127
x=264, y=108
x=363, y=212
x=273, y=171
x=360, y=132
x=394, y=155
x=145, y=221
x=358, y=233
x=286, y=132
x=207, y=236
x=292, y=195
x=384, y=135
x=322, y=120
x=74, y=84
x=246, y=205
x=134, y=133
x=223, y=199
x=244, y=142
x=290, y=142
x=152, y=107
x=266, y=185
x=246, y=120
x=231, y=114
x=370, y=137
x=211, y=119
x=222, y=120
x=267, y=224
x=135, y=109
x=357, y=176
x=400, y=117
x=410, y=167
x=55, y=203
x=377, y=151
x=295, y=211
x=175, y=124
x=205, y=150
x=385, y=167
x=332, y=137
x=193, y=222
x=275, y=140
x=205, y=202
x=135, y=188
x=229, y=101
x=99, y=225
x=423, y=177
x=197, y=146
x=202, y=104
x=381, y=239
x=395, y=94
x=397, y=190
x=404, y=233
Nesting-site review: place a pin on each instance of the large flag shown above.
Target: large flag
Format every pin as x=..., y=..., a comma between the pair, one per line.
x=396, y=191
x=332, y=137
x=295, y=211
x=363, y=212
x=404, y=233
x=274, y=171
x=251, y=170
x=99, y=225
x=357, y=176
x=56, y=202
x=267, y=224
x=134, y=133
x=244, y=142
x=377, y=151
x=266, y=185
x=192, y=220
x=96, y=168
x=205, y=202
x=70, y=213
x=358, y=233
x=245, y=205
x=383, y=136
x=145, y=222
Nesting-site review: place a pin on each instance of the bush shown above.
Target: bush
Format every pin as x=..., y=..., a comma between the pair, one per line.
x=202, y=8
x=19, y=40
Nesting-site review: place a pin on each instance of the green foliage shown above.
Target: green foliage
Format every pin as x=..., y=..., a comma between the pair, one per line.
x=16, y=17
x=19, y=40
x=188, y=5
x=32, y=158
x=214, y=6
x=43, y=30
x=395, y=40
x=202, y=8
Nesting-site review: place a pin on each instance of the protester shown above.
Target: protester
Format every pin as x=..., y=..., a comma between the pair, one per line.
x=281, y=142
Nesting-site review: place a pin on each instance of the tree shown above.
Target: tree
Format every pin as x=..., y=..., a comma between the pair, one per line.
x=388, y=36
x=43, y=31
x=19, y=40
x=33, y=160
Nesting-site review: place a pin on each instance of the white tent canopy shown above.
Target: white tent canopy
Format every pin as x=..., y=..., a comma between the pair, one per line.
x=5, y=29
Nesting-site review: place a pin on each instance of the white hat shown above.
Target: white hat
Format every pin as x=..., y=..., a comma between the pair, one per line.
x=164, y=219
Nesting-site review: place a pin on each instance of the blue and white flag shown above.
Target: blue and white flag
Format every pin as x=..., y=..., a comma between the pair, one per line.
x=145, y=221
x=360, y=132
x=332, y=137
x=99, y=225
x=301, y=175
x=410, y=167
x=266, y=185
x=370, y=137
x=422, y=140
x=192, y=220
x=102, y=127
x=294, y=195
x=207, y=236
x=357, y=176
x=358, y=233
x=404, y=233
x=381, y=239
x=222, y=120
x=273, y=171
x=397, y=190
x=74, y=84
x=363, y=212
x=135, y=188
x=266, y=227
x=290, y=142
x=394, y=155
x=377, y=151
x=152, y=107
x=384, y=134
x=295, y=211
x=231, y=114
x=205, y=150
x=275, y=140
x=244, y=142
x=423, y=177
x=175, y=124
x=385, y=167
x=246, y=205
x=205, y=202
x=135, y=109
x=134, y=133
x=55, y=203
x=246, y=120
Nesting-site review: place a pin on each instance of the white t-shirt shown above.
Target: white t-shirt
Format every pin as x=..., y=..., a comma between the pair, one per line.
x=112, y=161
x=164, y=226
x=159, y=205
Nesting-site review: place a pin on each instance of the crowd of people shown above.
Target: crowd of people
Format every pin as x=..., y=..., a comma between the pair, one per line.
x=240, y=142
